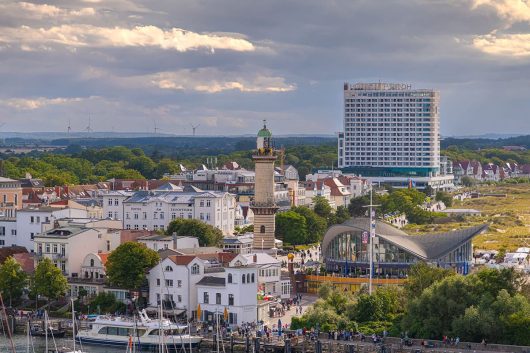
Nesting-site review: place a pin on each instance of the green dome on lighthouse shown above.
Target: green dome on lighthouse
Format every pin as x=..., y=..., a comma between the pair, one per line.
x=264, y=132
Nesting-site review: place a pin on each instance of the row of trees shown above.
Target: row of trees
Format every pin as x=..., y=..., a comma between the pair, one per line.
x=76, y=165
x=406, y=201
x=302, y=225
x=489, y=304
x=47, y=280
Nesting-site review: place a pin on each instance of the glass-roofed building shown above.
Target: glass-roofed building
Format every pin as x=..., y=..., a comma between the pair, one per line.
x=345, y=249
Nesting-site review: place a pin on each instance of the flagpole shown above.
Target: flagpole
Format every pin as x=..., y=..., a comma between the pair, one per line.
x=372, y=235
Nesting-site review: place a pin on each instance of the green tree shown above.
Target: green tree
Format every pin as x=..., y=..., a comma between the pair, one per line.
x=13, y=279
x=128, y=264
x=341, y=215
x=291, y=228
x=422, y=276
x=205, y=233
x=445, y=197
x=107, y=303
x=322, y=207
x=357, y=206
x=316, y=225
x=467, y=181
x=48, y=280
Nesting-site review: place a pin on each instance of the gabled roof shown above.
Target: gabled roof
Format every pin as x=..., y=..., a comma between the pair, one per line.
x=182, y=260
x=10, y=251
x=428, y=246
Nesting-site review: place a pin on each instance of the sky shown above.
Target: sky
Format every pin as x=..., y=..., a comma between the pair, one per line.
x=224, y=65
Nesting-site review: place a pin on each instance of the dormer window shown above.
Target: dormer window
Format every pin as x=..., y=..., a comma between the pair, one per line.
x=195, y=269
x=169, y=269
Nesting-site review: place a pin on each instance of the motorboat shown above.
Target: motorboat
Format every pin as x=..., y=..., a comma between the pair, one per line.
x=140, y=332
x=39, y=331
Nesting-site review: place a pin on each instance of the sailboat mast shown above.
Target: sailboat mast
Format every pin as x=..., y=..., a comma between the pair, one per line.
x=73, y=323
x=46, y=328
x=7, y=322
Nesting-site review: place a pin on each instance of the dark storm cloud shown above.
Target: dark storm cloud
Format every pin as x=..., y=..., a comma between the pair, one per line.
x=228, y=64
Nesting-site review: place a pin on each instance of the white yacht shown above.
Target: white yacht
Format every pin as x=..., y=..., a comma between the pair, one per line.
x=144, y=333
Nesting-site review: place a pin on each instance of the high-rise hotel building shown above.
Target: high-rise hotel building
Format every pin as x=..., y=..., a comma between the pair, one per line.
x=391, y=133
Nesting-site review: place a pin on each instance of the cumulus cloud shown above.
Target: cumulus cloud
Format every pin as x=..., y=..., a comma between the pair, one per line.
x=31, y=10
x=510, y=10
x=507, y=44
x=82, y=35
x=210, y=80
x=36, y=103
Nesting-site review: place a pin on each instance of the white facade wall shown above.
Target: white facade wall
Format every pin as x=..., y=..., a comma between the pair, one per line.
x=390, y=125
x=30, y=222
x=183, y=296
x=113, y=204
x=69, y=252
x=8, y=233
x=157, y=213
x=243, y=308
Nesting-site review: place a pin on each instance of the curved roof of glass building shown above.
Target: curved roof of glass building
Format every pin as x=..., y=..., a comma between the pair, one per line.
x=427, y=247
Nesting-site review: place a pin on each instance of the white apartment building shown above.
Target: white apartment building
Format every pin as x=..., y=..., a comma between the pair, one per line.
x=269, y=270
x=233, y=290
x=173, y=283
x=158, y=242
x=390, y=130
x=154, y=210
x=29, y=222
x=70, y=240
x=113, y=203
x=389, y=125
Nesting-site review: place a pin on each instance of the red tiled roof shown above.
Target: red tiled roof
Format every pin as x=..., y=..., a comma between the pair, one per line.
x=10, y=251
x=104, y=257
x=26, y=261
x=182, y=260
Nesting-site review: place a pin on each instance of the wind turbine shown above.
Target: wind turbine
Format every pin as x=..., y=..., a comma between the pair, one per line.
x=69, y=128
x=156, y=128
x=194, y=128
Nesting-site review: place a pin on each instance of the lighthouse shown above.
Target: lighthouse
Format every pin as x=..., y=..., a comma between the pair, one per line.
x=264, y=205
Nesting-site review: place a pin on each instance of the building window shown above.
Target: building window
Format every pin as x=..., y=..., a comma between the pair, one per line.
x=136, y=216
x=201, y=203
x=54, y=248
x=248, y=277
x=108, y=245
x=179, y=283
x=161, y=215
x=229, y=278
x=179, y=298
x=206, y=298
x=262, y=229
x=243, y=278
x=32, y=219
x=169, y=269
x=127, y=215
x=230, y=299
x=195, y=270
x=158, y=282
x=116, y=202
x=252, y=278
x=47, y=248
x=217, y=298
x=208, y=203
x=128, y=226
x=2, y=230
x=13, y=232
x=158, y=298
x=110, y=202
x=169, y=283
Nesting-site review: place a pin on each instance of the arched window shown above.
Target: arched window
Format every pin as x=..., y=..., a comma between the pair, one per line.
x=243, y=278
x=229, y=278
x=252, y=278
x=91, y=262
x=262, y=229
x=248, y=277
x=195, y=270
x=169, y=269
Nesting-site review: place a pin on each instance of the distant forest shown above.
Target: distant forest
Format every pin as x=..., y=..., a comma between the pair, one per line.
x=85, y=160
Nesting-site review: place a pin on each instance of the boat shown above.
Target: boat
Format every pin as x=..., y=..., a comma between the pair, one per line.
x=142, y=333
x=38, y=331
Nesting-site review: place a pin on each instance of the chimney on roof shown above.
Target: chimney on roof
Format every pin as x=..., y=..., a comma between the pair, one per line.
x=255, y=258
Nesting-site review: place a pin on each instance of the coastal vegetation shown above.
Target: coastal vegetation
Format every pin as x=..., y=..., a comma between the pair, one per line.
x=488, y=304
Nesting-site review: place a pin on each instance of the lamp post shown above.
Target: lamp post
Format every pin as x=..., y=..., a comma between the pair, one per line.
x=372, y=235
